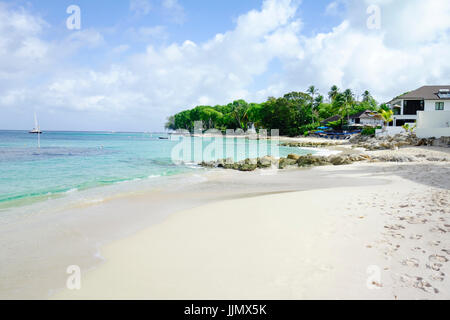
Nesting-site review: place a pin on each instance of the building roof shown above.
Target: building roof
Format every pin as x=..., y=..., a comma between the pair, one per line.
x=367, y=113
x=331, y=119
x=425, y=93
x=357, y=115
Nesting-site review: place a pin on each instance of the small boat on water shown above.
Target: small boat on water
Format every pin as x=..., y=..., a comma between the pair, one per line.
x=36, y=129
x=164, y=138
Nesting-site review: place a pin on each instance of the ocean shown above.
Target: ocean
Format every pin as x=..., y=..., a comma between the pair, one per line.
x=89, y=162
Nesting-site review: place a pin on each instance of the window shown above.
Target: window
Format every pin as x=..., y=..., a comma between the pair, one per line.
x=412, y=106
x=439, y=106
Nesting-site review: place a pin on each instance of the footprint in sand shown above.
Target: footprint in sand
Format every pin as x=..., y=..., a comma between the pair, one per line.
x=413, y=220
x=419, y=283
x=411, y=262
x=439, y=276
x=434, y=243
x=447, y=251
x=418, y=249
x=438, y=229
x=434, y=266
x=416, y=237
x=437, y=258
x=394, y=227
x=397, y=235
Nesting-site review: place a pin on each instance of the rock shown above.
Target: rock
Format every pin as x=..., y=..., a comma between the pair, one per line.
x=294, y=157
x=339, y=160
x=387, y=142
x=266, y=162
x=284, y=162
x=435, y=159
x=309, y=160
x=308, y=144
x=393, y=158
x=247, y=167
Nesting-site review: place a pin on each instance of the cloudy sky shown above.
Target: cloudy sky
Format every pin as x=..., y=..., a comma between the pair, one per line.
x=135, y=62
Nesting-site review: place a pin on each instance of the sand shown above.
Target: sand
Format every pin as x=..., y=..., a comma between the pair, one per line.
x=386, y=238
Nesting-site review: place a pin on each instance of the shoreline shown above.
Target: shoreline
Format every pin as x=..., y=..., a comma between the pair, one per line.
x=250, y=249
x=131, y=215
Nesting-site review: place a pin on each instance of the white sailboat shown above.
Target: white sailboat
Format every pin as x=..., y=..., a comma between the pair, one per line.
x=36, y=128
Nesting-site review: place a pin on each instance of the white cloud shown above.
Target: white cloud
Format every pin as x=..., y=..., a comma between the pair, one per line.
x=176, y=11
x=146, y=34
x=403, y=55
x=140, y=7
x=161, y=80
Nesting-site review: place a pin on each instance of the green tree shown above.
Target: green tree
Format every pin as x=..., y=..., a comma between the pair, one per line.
x=349, y=102
x=332, y=94
x=312, y=91
x=388, y=116
x=170, y=124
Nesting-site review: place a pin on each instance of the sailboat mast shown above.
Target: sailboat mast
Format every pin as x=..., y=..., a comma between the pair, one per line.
x=35, y=122
x=36, y=127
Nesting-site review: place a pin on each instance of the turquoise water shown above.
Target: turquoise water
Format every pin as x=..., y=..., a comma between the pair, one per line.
x=73, y=161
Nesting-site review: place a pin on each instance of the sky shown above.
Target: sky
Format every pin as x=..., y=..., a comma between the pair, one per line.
x=133, y=63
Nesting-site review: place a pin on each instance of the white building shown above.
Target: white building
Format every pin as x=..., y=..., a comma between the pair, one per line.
x=426, y=98
x=366, y=118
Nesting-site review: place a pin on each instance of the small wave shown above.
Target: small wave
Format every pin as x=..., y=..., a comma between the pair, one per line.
x=72, y=190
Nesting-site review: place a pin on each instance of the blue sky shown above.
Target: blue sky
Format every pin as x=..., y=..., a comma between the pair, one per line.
x=135, y=62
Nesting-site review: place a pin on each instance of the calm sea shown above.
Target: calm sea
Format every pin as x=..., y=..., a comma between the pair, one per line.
x=70, y=162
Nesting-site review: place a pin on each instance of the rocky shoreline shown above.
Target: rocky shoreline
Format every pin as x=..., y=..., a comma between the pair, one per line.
x=344, y=158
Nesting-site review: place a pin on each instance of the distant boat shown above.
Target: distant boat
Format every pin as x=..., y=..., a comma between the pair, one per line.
x=36, y=129
x=164, y=138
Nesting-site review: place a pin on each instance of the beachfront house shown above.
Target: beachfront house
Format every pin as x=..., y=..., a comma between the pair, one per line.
x=428, y=107
x=366, y=118
x=426, y=98
x=330, y=119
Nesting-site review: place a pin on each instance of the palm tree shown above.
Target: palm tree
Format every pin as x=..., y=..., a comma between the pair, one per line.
x=317, y=102
x=349, y=101
x=387, y=116
x=339, y=105
x=333, y=93
x=366, y=96
x=312, y=92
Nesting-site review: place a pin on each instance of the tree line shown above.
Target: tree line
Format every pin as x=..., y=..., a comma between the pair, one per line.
x=293, y=114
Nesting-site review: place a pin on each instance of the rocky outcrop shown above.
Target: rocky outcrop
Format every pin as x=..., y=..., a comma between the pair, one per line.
x=385, y=142
x=396, y=141
x=308, y=144
x=392, y=158
x=292, y=160
x=244, y=165
x=309, y=160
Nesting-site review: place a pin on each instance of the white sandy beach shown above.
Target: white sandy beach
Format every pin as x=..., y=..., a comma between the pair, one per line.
x=384, y=238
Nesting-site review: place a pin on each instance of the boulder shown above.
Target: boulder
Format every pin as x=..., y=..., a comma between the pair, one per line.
x=266, y=162
x=247, y=167
x=284, y=162
x=339, y=160
x=309, y=160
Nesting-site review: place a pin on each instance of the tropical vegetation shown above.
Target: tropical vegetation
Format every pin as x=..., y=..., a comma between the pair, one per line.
x=295, y=113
